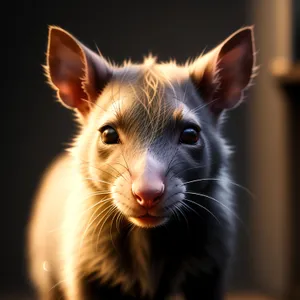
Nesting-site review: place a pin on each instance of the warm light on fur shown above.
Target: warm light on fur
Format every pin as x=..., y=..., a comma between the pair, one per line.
x=87, y=227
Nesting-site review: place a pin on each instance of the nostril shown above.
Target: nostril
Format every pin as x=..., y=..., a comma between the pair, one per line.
x=159, y=193
x=148, y=194
x=138, y=199
x=156, y=199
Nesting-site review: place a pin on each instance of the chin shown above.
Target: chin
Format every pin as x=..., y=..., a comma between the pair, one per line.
x=148, y=221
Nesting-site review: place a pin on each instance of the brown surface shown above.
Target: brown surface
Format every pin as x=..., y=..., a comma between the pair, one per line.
x=285, y=71
x=230, y=297
x=248, y=297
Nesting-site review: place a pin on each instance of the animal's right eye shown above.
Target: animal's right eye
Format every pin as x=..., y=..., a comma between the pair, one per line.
x=109, y=135
x=190, y=136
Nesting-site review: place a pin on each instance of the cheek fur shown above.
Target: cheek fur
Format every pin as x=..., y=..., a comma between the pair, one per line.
x=192, y=162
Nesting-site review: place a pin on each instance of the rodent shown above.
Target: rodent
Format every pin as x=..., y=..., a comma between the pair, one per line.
x=140, y=206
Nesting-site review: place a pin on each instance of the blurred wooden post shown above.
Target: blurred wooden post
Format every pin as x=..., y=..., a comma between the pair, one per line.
x=289, y=81
x=296, y=31
x=287, y=74
x=269, y=153
x=292, y=90
x=288, y=77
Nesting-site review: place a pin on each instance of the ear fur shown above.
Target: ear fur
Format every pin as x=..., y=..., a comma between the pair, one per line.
x=223, y=74
x=74, y=71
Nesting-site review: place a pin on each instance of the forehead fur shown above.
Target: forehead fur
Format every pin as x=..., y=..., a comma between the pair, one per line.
x=168, y=73
x=146, y=97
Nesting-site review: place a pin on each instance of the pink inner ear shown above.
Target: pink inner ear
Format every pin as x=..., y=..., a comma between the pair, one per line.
x=235, y=69
x=222, y=74
x=66, y=89
x=72, y=95
x=67, y=68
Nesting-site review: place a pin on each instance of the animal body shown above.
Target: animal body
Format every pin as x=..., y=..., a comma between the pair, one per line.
x=141, y=205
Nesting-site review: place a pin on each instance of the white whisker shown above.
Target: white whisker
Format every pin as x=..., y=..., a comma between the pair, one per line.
x=177, y=206
x=56, y=285
x=107, y=215
x=88, y=209
x=203, y=207
x=111, y=226
x=97, y=180
x=118, y=221
x=198, y=108
x=97, y=203
x=90, y=224
x=219, y=179
x=217, y=201
x=116, y=171
x=88, y=163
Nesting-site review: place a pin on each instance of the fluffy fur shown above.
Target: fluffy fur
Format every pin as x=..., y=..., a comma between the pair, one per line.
x=82, y=244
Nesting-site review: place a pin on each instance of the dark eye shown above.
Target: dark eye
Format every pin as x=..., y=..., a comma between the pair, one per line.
x=109, y=135
x=190, y=136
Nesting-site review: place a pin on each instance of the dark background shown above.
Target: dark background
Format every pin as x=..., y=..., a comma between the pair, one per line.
x=35, y=127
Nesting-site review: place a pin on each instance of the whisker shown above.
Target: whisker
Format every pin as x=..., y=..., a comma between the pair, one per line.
x=203, y=207
x=97, y=203
x=218, y=179
x=97, y=193
x=108, y=214
x=174, y=212
x=201, y=106
x=98, y=180
x=132, y=227
x=116, y=171
x=111, y=225
x=108, y=208
x=85, y=211
x=177, y=206
x=125, y=163
x=168, y=168
x=56, y=285
x=121, y=166
x=172, y=196
x=118, y=222
x=90, y=224
x=189, y=208
x=196, y=167
x=89, y=164
x=217, y=201
x=94, y=103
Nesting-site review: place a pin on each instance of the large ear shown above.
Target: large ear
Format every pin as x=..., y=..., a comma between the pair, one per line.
x=75, y=72
x=223, y=74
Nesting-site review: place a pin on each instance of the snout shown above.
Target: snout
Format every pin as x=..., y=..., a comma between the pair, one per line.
x=148, y=192
x=149, y=196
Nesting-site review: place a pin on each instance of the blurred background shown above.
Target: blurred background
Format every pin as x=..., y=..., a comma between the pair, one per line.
x=265, y=130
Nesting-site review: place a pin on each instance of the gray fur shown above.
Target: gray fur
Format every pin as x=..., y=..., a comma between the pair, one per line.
x=83, y=230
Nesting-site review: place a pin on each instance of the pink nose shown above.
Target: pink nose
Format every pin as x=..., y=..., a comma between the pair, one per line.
x=148, y=194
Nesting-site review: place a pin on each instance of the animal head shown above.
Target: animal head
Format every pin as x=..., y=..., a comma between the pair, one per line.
x=149, y=130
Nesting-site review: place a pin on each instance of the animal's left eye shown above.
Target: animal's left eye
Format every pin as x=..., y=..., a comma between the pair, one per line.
x=189, y=136
x=109, y=135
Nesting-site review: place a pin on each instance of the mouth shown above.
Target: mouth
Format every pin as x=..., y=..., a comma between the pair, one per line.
x=148, y=221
